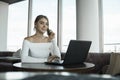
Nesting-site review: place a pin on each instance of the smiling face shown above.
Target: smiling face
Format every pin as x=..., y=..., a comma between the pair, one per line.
x=41, y=24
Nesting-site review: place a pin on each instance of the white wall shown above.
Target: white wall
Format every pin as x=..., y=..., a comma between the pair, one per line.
x=88, y=23
x=3, y=25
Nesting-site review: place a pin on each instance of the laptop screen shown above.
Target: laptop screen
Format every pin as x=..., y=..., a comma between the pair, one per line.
x=77, y=52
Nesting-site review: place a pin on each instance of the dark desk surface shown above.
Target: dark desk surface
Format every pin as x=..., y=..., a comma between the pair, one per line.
x=53, y=76
x=44, y=67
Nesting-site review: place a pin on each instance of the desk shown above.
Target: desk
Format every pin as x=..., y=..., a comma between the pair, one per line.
x=43, y=67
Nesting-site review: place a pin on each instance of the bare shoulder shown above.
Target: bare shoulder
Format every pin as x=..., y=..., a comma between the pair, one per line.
x=29, y=38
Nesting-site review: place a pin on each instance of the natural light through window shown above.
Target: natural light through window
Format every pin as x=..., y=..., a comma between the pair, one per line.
x=68, y=22
x=18, y=21
x=17, y=25
x=47, y=8
x=111, y=20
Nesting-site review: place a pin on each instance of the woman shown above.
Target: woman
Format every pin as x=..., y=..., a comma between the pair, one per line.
x=39, y=48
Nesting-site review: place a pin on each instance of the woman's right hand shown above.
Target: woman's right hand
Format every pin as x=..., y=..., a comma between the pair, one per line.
x=51, y=36
x=53, y=58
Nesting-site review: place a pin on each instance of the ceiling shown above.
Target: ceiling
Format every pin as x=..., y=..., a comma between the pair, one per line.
x=11, y=1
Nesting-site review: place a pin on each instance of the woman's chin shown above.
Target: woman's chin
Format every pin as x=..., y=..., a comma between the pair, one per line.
x=43, y=32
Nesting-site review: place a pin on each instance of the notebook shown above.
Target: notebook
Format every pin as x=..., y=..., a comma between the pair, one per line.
x=76, y=53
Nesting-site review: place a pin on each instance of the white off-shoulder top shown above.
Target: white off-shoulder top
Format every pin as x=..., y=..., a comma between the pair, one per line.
x=38, y=52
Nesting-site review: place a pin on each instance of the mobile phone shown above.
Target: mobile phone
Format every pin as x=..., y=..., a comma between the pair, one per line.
x=48, y=32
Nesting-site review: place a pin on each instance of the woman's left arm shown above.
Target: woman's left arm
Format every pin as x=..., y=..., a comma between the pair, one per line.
x=55, y=50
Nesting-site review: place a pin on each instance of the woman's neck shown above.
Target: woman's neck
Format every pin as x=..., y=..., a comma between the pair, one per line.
x=40, y=35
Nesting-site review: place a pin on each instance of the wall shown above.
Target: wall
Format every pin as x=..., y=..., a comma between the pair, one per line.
x=88, y=27
x=3, y=25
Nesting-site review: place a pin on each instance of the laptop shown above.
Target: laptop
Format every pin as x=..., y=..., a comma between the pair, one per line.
x=76, y=53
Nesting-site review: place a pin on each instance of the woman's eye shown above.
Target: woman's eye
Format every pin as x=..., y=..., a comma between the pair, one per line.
x=41, y=22
x=44, y=23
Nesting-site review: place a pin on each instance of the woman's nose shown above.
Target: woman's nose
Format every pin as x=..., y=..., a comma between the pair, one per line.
x=44, y=25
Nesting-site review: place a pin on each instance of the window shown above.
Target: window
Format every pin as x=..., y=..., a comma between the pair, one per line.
x=68, y=22
x=111, y=20
x=17, y=25
x=18, y=19
x=48, y=8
